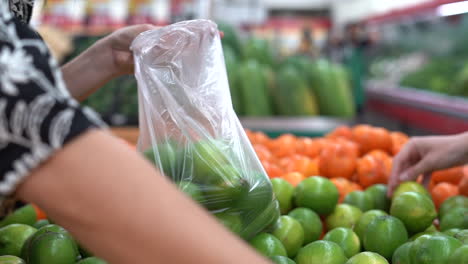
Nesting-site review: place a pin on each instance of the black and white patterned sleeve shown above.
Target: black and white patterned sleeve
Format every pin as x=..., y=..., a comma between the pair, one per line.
x=37, y=114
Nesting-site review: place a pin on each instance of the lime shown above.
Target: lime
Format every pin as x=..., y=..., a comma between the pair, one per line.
x=268, y=245
x=462, y=236
x=41, y=223
x=432, y=228
x=401, y=254
x=317, y=193
x=310, y=222
x=453, y=202
x=452, y=232
x=365, y=220
x=11, y=260
x=378, y=193
x=430, y=232
x=13, y=237
x=284, y=193
x=282, y=260
x=24, y=215
x=367, y=258
x=384, y=235
x=164, y=156
x=415, y=210
x=50, y=248
x=289, y=231
x=460, y=256
x=346, y=239
x=192, y=190
x=410, y=186
x=321, y=252
x=359, y=199
x=258, y=208
x=231, y=220
x=433, y=249
x=92, y=260
x=226, y=192
x=455, y=218
x=344, y=215
x=208, y=159
x=54, y=229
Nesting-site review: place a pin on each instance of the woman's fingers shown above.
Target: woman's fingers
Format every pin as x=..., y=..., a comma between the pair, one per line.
x=400, y=163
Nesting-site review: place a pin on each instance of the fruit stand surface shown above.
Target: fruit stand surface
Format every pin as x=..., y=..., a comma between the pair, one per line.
x=273, y=127
x=434, y=112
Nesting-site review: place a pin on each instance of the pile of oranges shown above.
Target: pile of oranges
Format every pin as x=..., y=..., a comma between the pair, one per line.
x=354, y=158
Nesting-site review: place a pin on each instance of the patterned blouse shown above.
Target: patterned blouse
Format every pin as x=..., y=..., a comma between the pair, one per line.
x=37, y=114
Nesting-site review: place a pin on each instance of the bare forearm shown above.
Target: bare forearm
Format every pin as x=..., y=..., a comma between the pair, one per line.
x=117, y=205
x=89, y=71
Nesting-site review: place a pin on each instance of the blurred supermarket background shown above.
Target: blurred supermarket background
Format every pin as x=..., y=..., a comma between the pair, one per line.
x=301, y=66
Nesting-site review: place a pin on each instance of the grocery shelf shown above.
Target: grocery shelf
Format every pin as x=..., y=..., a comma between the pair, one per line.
x=434, y=112
x=300, y=126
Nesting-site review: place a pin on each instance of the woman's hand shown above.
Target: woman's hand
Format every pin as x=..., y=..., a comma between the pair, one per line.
x=108, y=58
x=423, y=155
x=118, y=43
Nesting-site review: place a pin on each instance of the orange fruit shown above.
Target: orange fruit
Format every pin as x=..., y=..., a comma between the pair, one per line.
x=401, y=254
x=371, y=138
x=373, y=168
x=284, y=194
x=366, y=258
x=442, y=191
x=360, y=199
x=433, y=249
x=463, y=186
x=341, y=132
x=346, y=239
x=384, y=235
x=452, y=175
x=268, y=245
x=263, y=153
x=365, y=220
x=310, y=222
x=298, y=163
x=309, y=147
x=317, y=193
x=283, y=146
x=460, y=255
x=345, y=186
x=378, y=193
x=398, y=141
x=323, y=252
x=415, y=210
x=293, y=178
x=453, y=202
x=455, y=218
x=338, y=160
x=344, y=215
x=289, y=231
x=272, y=170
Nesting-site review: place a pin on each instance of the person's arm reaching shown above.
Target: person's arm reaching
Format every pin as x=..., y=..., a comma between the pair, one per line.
x=423, y=155
x=108, y=58
x=117, y=204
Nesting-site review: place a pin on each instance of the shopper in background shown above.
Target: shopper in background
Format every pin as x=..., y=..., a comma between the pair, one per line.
x=356, y=43
x=54, y=153
x=423, y=155
x=307, y=45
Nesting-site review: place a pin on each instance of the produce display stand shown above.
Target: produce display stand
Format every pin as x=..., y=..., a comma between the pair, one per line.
x=299, y=126
x=433, y=112
x=273, y=127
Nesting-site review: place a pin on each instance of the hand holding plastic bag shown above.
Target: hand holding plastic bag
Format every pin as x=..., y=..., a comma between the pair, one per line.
x=188, y=127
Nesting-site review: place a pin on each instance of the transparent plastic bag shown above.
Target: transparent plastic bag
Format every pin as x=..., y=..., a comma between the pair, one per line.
x=189, y=130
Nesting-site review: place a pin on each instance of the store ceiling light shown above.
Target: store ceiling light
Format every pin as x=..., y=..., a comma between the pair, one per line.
x=453, y=9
